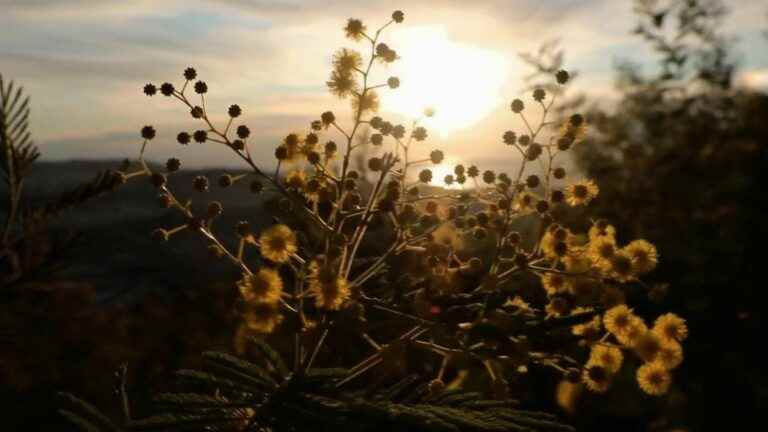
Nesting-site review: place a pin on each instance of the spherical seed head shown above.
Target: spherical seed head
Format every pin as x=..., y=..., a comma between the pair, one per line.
x=559, y=173
x=167, y=89
x=200, y=183
x=473, y=171
x=532, y=181
x=509, y=137
x=350, y=184
x=327, y=118
x=576, y=120
x=386, y=128
x=172, y=165
x=436, y=156
x=539, y=94
x=196, y=112
x=517, y=106
x=225, y=180
x=398, y=16
x=183, y=138
x=148, y=132
x=489, y=176
x=160, y=235
x=562, y=76
x=425, y=176
x=542, y=206
x=524, y=140
x=200, y=136
x=201, y=87
x=448, y=179
x=458, y=170
x=533, y=152
x=256, y=187
x=215, y=209
x=281, y=152
x=313, y=157
x=393, y=82
x=311, y=139
x=376, y=122
x=377, y=139
x=353, y=174
x=330, y=148
x=157, y=180
x=238, y=145
x=355, y=29
x=190, y=74
x=234, y=111
x=150, y=89
x=398, y=131
x=419, y=134
x=375, y=164
x=564, y=142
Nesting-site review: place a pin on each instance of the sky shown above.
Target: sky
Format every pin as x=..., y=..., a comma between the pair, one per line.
x=84, y=63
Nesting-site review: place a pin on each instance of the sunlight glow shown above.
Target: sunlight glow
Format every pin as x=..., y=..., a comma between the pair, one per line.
x=461, y=82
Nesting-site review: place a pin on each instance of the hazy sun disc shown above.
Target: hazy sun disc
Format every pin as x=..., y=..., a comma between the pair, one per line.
x=461, y=82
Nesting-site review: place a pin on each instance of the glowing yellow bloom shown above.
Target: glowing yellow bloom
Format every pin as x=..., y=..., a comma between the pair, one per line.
x=598, y=230
x=581, y=192
x=278, y=243
x=670, y=355
x=643, y=254
x=577, y=262
x=648, y=346
x=346, y=60
x=633, y=332
x=621, y=267
x=264, y=286
x=554, y=283
x=596, y=377
x=618, y=319
x=525, y=202
x=262, y=317
x=653, y=379
x=329, y=289
x=670, y=327
x=567, y=395
x=367, y=102
x=296, y=179
x=589, y=330
x=601, y=250
x=609, y=357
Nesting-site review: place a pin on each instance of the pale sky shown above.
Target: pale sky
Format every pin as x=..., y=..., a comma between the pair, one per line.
x=84, y=62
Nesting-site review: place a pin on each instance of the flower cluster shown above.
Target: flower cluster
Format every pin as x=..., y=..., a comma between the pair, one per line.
x=454, y=262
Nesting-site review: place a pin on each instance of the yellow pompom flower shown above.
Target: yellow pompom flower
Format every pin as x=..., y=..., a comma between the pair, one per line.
x=609, y=357
x=644, y=255
x=621, y=267
x=670, y=327
x=262, y=317
x=670, y=355
x=263, y=286
x=633, y=332
x=581, y=192
x=648, y=346
x=327, y=287
x=601, y=229
x=589, y=330
x=601, y=250
x=618, y=319
x=554, y=283
x=653, y=378
x=596, y=377
x=278, y=243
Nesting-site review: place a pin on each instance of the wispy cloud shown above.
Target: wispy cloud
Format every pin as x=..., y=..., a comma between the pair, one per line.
x=84, y=62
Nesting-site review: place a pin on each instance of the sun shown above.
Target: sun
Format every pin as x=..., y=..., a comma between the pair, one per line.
x=462, y=83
